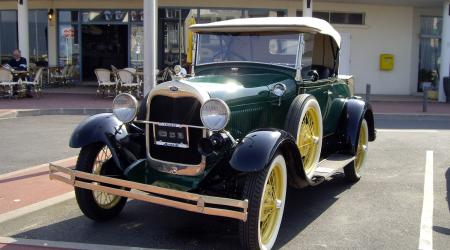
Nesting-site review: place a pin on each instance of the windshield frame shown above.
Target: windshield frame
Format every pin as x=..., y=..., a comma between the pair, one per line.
x=296, y=65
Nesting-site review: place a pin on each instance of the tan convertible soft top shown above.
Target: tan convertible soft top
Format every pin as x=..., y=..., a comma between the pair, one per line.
x=270, y=24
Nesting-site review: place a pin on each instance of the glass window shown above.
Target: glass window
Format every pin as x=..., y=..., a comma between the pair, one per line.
x=347, y=18
x=66, y=16
x=263, y=48
x=430, y=51
x=8, y=34
x=264, y=13
x=69, y=46
x=137, y=46
x=109, y=16
x=430, y=25
x=177, y=43
x=322, y=15
x=215, y=15
x=38, y=20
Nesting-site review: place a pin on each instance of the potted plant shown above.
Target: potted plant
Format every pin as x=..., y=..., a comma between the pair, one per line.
x=433, y=92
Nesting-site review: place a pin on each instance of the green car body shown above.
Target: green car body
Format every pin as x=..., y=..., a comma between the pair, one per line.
x=246, y=121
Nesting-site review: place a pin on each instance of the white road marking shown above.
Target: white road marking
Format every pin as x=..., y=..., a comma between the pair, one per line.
x=408, y=130
x=63, y=244
x=35, y=207
x=426, y=221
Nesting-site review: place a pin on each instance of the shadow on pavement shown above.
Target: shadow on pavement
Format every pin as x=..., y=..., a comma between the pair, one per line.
x=152, y=226
x=305, y=205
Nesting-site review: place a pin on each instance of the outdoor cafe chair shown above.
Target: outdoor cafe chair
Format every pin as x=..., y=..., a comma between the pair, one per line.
x=105, y=85
x=36, y=84
x=60, y=76
x=115, y=73
x=6, y=82
x=132, y=70
x=127, y=84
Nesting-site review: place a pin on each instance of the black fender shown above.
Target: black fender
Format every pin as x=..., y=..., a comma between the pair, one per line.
x=258, y=148
x=354, y=112
x=104, y=128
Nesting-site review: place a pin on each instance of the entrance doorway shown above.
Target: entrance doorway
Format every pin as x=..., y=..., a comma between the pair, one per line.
x=103, y=46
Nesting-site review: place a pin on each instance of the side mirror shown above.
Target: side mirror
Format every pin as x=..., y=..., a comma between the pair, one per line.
x=312, y=75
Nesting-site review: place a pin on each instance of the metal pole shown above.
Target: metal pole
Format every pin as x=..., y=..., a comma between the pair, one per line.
x=425, y=100
x=368, y=90
x=150, y=43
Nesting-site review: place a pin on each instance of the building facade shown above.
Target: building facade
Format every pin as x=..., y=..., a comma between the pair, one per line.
x=405, y=35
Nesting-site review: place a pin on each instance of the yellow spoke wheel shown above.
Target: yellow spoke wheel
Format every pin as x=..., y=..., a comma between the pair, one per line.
x=304, y=123
x=99, y=206
x=308, y=139
x=266, y=192
x=104, y=200
x=352, y=171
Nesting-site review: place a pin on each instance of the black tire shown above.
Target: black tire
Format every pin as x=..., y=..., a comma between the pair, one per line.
x=353, y=170
x=294, y=119
x=254, y=188
x=85, y=198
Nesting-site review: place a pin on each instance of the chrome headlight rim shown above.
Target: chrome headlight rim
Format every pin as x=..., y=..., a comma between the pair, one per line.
x=135, y=107
x=228, y=114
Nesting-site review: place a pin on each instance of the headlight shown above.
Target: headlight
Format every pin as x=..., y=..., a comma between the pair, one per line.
x=125, y=107
x=215, y=114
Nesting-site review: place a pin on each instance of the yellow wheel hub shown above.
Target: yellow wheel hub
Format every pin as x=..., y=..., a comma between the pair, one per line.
x=308, y=139
x=272, y=201
x=361, y=151
x=104, y=200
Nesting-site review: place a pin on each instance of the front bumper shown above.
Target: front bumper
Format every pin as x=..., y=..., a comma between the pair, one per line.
x=218, y=206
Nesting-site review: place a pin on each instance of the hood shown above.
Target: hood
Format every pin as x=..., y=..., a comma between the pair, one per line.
x=238, y=89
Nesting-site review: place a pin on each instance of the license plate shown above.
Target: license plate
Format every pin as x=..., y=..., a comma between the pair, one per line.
x=171, y=136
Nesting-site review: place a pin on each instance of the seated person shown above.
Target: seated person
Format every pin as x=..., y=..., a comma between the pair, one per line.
x=18, y=62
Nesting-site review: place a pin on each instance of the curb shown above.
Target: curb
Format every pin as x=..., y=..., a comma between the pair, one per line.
x=59, y=111
x=93, y=111
x=422, y=116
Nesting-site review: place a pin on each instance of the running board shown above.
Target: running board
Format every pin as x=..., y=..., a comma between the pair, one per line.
x=329, y=166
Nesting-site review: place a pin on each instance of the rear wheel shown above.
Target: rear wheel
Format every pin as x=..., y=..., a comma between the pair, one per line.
x=304, y=122
x=96, y=205
x=352, y=170
x=266, y=192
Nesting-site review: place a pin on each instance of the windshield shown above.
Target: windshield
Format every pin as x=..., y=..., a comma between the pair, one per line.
x=278, y=49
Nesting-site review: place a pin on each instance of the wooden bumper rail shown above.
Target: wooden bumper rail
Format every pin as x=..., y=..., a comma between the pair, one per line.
x=237, y=208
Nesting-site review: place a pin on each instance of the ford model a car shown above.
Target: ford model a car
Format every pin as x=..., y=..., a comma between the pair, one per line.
x=263, y=109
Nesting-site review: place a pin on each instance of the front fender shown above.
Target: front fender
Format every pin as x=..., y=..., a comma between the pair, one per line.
x=101, y=128
x=257, y=149
x=356, y=110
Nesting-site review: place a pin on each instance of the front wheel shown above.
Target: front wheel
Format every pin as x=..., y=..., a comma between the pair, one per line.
x=97, y=205
x=352, y=170
x=266, y=192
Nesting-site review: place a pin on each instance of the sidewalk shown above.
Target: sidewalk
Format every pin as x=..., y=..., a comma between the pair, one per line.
x=84, y=101
x=23, y=188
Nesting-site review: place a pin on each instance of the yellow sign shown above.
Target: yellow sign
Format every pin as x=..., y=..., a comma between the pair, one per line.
x=387, y=62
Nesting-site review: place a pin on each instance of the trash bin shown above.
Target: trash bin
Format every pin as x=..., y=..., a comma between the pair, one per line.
x=447, y=88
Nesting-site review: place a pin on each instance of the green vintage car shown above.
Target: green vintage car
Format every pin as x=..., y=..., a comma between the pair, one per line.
x=264, y=108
